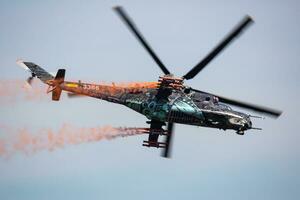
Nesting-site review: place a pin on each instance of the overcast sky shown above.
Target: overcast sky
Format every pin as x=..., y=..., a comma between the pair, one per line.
x=91, y=42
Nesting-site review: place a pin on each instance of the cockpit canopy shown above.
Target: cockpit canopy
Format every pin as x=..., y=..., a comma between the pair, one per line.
x=207, y=101
x=200, y=97
x=224, y=106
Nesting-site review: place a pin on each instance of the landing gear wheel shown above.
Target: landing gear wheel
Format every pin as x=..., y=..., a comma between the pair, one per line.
x=240, y=132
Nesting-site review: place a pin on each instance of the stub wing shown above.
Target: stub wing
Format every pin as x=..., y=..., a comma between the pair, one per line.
x=154, y=132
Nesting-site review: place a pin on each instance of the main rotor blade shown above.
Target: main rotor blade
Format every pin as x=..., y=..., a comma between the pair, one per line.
x=126, y=19
x=260, y=109
x=233, y=34
x=167, y=151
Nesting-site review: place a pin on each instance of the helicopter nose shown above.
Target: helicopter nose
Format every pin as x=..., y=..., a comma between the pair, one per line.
x=248, y=123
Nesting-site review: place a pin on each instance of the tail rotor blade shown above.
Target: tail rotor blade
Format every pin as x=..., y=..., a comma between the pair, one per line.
x=29, y=80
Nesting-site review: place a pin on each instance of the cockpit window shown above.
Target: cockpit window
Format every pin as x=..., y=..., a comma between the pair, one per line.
x=207, y=99
x=224, y=107
x=215, y=99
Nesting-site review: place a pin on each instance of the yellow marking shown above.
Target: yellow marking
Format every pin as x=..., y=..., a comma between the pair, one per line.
x=72, y=85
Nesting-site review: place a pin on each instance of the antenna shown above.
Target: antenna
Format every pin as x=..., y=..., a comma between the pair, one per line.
x=258, y=117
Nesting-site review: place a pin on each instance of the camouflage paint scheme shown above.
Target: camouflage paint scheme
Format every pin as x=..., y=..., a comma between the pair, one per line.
x=167, y=102
x=181, y=105
x=193, y=108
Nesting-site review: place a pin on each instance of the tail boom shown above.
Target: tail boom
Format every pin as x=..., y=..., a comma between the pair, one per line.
x=104, y=92
x=112, y=93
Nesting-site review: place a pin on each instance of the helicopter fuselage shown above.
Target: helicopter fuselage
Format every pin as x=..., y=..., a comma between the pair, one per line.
x=186, y=109
x=167, y=101
x=194, y=108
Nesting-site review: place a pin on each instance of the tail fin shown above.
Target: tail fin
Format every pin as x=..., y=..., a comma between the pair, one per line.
x=59, y=78
x=36, y=70
x=46, y=77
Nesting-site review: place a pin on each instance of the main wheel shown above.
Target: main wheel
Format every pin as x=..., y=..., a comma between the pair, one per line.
x=240, y=132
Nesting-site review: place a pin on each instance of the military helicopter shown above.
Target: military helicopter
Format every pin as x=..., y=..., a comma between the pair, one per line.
x=167, y=101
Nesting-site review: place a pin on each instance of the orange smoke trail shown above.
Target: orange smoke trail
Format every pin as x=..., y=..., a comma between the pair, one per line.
x=133, y=87
x=113, y=88
x=130, y=84
x=22, y=140
x=137, y=85
x=12, y=90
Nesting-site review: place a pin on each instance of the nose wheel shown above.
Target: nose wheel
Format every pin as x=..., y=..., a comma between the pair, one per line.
x=240, y=132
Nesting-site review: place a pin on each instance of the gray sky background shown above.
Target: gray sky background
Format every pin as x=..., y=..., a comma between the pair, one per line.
x=90, y=41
